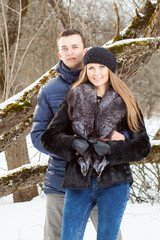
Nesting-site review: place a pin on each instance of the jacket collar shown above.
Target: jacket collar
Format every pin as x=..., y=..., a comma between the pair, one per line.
x=90, y=119
x=66, y=74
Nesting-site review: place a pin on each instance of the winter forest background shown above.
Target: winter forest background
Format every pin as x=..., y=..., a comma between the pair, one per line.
x=28, y=54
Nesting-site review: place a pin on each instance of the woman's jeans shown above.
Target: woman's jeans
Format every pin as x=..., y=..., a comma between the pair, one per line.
x=78, y=204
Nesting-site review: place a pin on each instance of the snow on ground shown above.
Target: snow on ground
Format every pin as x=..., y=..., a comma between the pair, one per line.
x=25, y=221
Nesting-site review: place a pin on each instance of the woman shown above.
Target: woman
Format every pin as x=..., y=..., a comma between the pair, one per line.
x=97, y=107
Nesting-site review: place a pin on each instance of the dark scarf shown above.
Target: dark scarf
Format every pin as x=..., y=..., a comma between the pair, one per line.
x=91, y=119
x=66, y=74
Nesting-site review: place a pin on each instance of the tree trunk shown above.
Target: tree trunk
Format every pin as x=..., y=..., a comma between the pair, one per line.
x=16, y=156
x=62, y=12
x=153, y=28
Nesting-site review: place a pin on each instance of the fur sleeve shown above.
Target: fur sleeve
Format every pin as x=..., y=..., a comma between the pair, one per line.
x=134, y=149
x=58, y=137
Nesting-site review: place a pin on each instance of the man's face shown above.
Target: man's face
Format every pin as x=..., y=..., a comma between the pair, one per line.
x=71, y=51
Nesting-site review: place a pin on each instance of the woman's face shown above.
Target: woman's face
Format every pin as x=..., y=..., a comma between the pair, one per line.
x=98, y=74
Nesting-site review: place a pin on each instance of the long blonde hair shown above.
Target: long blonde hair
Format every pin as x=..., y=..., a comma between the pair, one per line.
x=133, y=109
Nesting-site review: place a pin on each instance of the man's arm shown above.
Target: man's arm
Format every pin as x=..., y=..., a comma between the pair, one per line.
x=58, y=137
x=42, y=117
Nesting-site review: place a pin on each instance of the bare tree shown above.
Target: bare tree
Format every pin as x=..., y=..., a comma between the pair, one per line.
x=117, y=18
x=11, y=35
x=10, y=28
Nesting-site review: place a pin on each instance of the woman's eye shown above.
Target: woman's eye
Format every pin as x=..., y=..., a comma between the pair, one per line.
x=102, y=66
x=90, y=68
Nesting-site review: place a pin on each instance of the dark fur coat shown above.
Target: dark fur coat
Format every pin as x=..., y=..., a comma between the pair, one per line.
x=91, y=119
x=88, y=120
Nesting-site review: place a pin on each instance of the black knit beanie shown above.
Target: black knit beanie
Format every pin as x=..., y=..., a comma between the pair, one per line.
x=102, y=56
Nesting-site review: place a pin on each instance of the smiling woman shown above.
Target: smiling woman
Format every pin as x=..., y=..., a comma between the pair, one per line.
x=98, y=75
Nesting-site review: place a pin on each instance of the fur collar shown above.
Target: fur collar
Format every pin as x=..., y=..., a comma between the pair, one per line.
x=90, y=119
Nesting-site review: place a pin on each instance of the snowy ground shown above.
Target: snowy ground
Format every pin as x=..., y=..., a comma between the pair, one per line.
x=25, y=221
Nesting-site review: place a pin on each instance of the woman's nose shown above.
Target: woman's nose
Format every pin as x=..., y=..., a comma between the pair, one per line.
x=96, y=71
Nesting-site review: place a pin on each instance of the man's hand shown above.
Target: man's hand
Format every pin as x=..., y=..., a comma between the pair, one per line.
x=116, y=136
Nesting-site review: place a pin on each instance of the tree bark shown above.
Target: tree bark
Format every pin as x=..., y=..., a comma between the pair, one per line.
x=62, y=13
x=16, y=156
x=153, y=29
x=157, y=136
x=140, y=26
x=21, y=178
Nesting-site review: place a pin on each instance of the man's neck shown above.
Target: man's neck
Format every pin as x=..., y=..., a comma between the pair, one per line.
x=78, y=67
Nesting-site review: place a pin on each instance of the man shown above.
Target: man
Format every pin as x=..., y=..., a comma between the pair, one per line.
x=71, y=45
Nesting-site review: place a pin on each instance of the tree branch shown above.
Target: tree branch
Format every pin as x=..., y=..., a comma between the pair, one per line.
x=140, y=26
x=117, y=18
x=133, y=54
x=23, y=177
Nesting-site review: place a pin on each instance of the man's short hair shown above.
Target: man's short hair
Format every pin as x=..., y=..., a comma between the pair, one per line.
x=70, y=32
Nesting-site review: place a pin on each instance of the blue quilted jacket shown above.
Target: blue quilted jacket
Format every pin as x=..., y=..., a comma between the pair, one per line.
x=50, y=97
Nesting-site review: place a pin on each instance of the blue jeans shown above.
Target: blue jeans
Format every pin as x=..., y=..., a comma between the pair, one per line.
x=78, y=204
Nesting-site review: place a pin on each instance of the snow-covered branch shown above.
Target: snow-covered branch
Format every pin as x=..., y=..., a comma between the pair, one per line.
x=22, y=177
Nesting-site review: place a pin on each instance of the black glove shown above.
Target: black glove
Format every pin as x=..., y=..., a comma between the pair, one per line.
x=80, y=145
x=101, y=148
